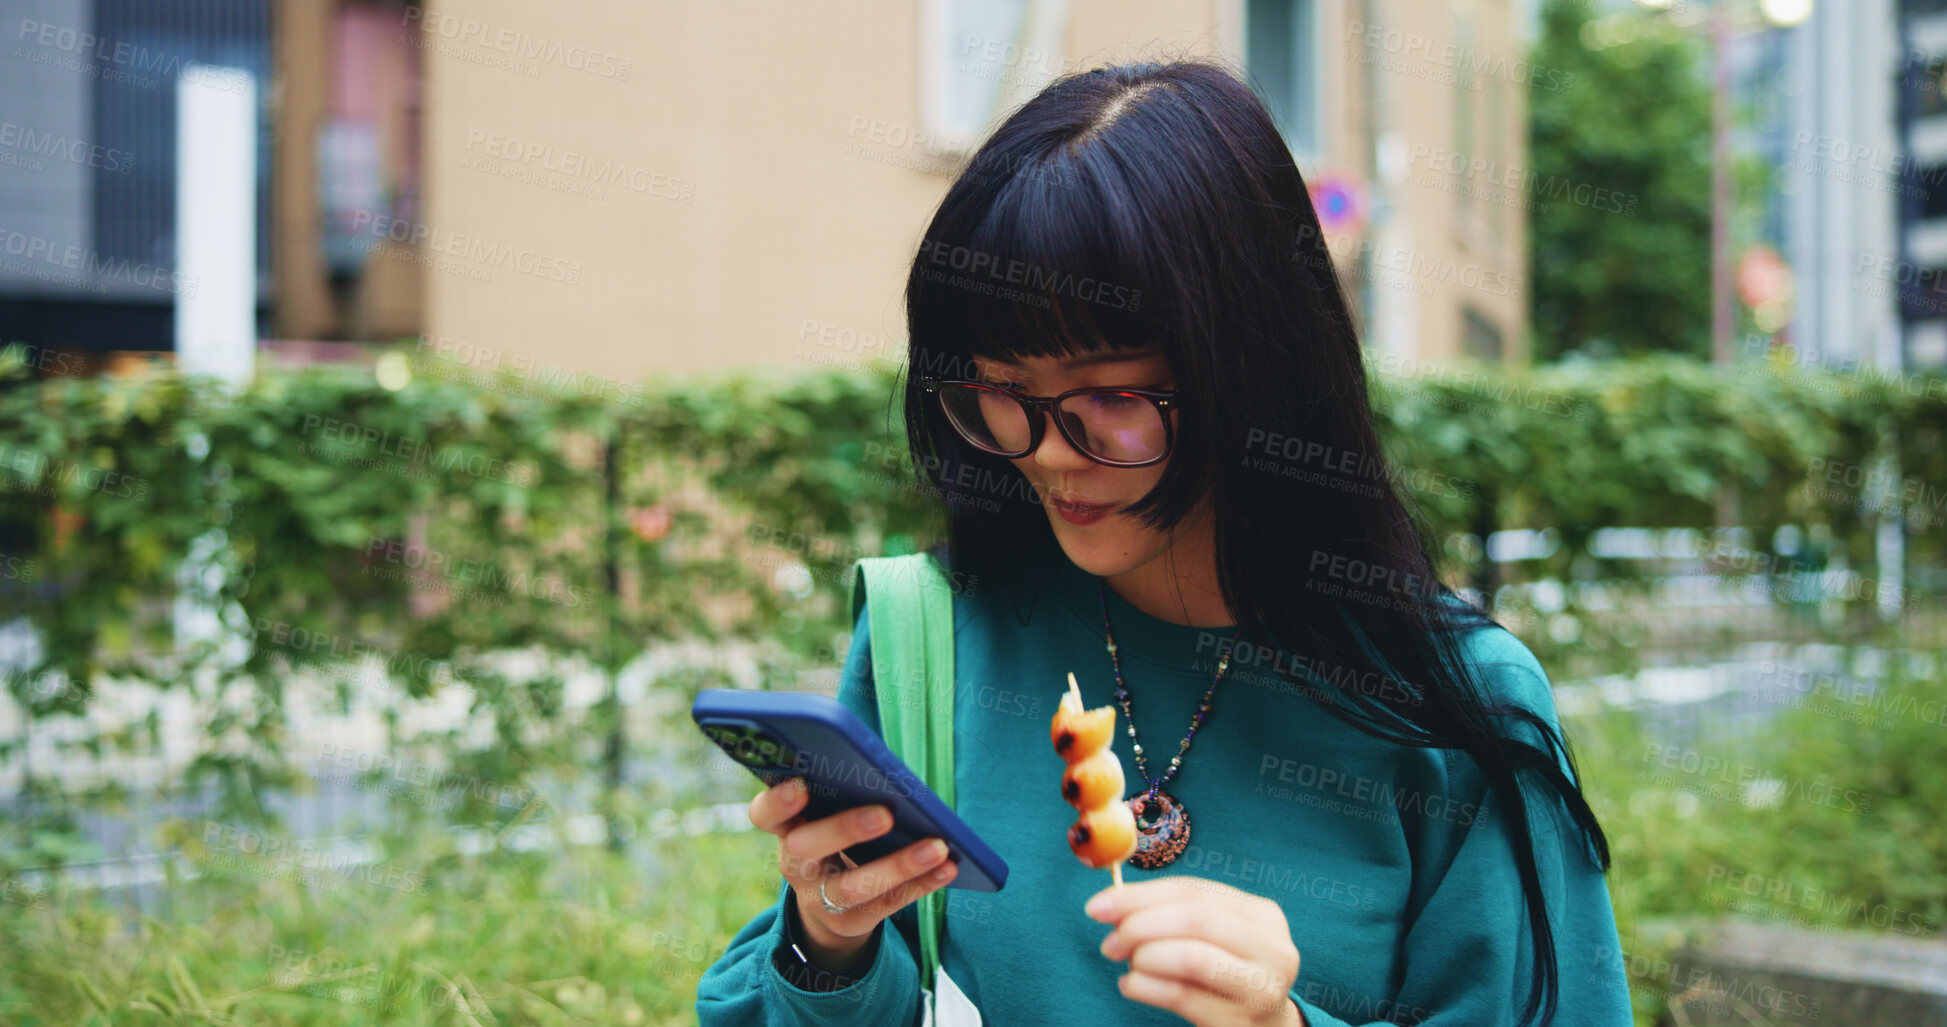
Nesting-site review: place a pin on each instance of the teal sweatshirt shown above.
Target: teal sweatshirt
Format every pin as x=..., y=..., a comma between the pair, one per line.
x=1395, y=872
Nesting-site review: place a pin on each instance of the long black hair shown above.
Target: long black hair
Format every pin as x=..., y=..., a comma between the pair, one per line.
x=1156, y=203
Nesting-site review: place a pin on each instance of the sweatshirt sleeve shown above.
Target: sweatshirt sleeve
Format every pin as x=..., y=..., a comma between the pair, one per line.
x=744, y=986
x=1467, y=950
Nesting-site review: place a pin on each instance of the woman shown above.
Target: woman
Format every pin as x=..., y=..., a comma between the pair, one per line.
x=1386, y=826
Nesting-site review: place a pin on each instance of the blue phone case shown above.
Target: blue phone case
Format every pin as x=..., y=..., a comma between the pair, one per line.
x=780, y=735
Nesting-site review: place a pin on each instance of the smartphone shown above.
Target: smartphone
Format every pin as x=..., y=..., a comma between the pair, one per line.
x=781, y=735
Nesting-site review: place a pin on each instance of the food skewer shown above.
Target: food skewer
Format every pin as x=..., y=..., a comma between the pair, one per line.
x=1105, y=833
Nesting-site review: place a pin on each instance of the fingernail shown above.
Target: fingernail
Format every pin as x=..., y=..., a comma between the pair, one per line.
x=875, y=817
x=1099, y=906
x=943, y=873
x=932, y=853
x=796, y=787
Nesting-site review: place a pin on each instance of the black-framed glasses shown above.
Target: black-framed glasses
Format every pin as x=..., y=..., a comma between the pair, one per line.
x=1112, y=425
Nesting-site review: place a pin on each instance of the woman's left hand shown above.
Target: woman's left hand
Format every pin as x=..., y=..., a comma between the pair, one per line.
x=1210, y=953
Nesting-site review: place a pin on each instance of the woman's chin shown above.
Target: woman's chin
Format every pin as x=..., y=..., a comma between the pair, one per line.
x=1104, y=554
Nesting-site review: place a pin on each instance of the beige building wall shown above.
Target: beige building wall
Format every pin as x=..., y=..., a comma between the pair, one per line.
x=624, y=190
x=1452, y=83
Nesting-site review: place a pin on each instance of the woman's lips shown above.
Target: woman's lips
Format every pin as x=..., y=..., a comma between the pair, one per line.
x=1080, y=514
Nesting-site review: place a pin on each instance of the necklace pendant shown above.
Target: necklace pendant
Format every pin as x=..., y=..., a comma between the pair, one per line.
x=1159, y=843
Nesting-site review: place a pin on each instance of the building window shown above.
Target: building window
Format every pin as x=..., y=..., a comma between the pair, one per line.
x=1933, y=201
x=1283, y=57
x=1480, y=337
x=980, y=59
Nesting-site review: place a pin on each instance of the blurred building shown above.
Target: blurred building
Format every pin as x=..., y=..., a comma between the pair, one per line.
x=615, y=190
x=88, y=162
x=1825, y=101
x=1914, y=162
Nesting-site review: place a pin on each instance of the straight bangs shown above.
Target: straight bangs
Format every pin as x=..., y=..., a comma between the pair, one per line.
x=1050, y=263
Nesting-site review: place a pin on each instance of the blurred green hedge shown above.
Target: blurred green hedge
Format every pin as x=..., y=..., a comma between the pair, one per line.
x=430, y=516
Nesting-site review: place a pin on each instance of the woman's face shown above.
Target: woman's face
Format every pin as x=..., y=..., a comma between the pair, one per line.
x=1081, y=497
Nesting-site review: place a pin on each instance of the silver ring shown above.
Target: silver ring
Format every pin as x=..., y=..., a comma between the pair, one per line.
x=830, y=907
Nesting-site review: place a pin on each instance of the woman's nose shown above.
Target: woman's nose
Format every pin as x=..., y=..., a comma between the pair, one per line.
x=1055, y=453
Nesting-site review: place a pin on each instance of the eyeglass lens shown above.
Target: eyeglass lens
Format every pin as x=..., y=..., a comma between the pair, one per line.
x=1113, y=426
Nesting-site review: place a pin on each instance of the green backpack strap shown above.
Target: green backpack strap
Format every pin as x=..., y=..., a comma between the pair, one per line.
x=911, y=608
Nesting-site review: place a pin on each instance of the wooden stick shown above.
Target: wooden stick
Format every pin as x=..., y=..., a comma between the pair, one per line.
x=1074, y=689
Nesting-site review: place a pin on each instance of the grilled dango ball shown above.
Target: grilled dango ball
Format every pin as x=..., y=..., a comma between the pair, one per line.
x=1078, y=733
x=1104, y=836
x=1093, y=782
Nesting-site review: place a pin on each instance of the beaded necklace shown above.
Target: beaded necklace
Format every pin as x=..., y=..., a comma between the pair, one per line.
x=1162, y=824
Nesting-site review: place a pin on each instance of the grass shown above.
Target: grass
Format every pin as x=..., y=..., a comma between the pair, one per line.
x=579, y=936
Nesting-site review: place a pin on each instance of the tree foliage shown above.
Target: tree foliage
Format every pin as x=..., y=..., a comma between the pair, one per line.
x=1636, y=122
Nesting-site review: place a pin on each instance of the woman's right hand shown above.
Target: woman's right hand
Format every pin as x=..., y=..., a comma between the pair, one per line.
x=869, y=893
